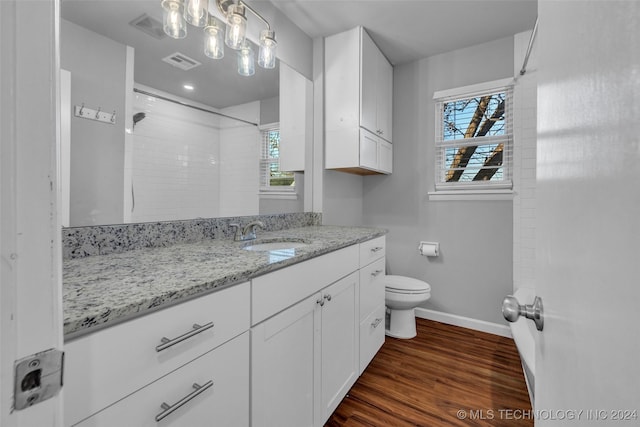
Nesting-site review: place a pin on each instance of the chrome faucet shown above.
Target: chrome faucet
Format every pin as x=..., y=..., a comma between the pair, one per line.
x=249, y=231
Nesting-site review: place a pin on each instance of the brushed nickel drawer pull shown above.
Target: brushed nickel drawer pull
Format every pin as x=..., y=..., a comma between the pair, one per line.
x=376, y=322
x=169, y=409
x=376, y=273
x=377, y=249
x=166, y=342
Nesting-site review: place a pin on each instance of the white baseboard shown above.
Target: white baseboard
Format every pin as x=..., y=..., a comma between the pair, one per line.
x=464, y=322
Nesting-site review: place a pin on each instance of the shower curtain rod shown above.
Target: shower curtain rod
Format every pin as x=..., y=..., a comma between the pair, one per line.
x=184, y=104
x=531, y=39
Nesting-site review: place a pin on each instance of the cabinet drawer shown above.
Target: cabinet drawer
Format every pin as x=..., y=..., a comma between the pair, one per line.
x=224, y=403
x=276, y=291
x=103, y=367
x=371, y=336
x=372, y=250
x=371, y=287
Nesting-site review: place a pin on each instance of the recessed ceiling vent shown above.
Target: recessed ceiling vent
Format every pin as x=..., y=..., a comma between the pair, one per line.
x=181, y=61
x=148, y=25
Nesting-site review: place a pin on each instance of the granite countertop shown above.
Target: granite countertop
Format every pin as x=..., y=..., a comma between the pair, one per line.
x=103, y=290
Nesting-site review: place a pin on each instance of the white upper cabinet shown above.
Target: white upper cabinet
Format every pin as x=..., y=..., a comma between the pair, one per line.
x=376, y=90
x=358, y=104
x=296, y=116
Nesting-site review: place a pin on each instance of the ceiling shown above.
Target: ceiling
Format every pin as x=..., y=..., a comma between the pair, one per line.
x=217, y=82
x=405, y=30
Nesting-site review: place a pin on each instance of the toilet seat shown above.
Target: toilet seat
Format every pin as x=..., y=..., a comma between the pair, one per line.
x=405, y=285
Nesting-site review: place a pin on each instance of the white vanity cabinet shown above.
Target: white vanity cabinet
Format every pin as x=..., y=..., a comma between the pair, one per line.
x=306, y=343
x=305, y=355
x=282, y=350
x=358, y=104
x=127, y=362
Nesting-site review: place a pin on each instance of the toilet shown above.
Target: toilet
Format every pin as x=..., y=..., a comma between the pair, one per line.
x=402, y=295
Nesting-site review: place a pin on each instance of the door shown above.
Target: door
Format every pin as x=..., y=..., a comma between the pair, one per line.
x=340, y=327
x=368, y=150
x=588, y=192
x=30, y=266
x=285, y=366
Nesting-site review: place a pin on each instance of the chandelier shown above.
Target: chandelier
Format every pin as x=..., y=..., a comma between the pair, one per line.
x=177, y=13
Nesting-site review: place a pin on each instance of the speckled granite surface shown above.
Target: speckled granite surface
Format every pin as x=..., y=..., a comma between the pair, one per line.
x=80, y=242
x=103, y=290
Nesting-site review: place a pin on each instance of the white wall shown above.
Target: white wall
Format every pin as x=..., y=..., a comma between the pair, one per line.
x=524, y=161
x=97, y=67
x=342, y=198
x=240, y=159
x=474, y=271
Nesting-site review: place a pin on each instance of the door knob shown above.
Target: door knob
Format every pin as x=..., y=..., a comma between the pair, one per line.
x=512, y=310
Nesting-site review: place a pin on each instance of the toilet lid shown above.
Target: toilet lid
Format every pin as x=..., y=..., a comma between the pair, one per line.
x=406, y=284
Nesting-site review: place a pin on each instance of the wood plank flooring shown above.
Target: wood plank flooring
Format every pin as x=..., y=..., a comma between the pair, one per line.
x=427, y=380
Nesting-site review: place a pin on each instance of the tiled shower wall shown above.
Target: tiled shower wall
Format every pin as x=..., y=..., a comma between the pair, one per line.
x=524, y=158
x=175, y=162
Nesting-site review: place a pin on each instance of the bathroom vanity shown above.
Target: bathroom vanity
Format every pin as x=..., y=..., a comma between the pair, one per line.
x=211, y=331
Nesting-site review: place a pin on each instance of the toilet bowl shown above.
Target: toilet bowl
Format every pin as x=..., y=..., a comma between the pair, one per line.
x=402, y=295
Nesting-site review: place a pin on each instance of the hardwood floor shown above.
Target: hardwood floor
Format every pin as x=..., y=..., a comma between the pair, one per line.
x=446, y=376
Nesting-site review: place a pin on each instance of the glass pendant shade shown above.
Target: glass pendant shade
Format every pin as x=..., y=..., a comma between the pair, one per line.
x=236, y=26
x=267, y=53
x=173, y=21
x=213, y=42
x=196, y=12
x=246, y=66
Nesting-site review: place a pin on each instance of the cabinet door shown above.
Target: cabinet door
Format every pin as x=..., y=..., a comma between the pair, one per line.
x=225, y=402
x=340, y=337
x=368, y=150
x=296, y=115
x=369, y=63
x=371, y=336
x=285, y=367
x=384, y=98
x=385, y=156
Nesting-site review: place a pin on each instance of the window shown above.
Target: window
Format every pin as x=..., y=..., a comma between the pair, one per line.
x=272, y=179
x=474, y=134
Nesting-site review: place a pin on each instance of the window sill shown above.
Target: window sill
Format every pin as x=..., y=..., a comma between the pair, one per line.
x=281, y=195
x=464, y=195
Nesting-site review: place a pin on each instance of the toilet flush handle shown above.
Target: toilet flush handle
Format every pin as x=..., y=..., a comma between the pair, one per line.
x=512, y=310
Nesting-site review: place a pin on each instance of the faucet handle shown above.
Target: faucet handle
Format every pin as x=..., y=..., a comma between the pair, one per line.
x=237, y=232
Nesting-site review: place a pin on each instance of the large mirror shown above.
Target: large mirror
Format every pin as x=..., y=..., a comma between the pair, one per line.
x=178, y=135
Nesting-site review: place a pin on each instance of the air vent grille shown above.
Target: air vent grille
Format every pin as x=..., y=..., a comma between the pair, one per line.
x=149, y=26
x=181, y=61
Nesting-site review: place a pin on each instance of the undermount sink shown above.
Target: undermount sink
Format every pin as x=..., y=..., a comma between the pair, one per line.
x=265, y=245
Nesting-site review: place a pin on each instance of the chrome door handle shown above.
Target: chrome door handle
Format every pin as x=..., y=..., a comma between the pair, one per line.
x=376, y=322
x=376, y=249
x=376, y=273
x=327, y=297
x=512, y=310
x=166, y=342
x=169, y=409
x=320, y=301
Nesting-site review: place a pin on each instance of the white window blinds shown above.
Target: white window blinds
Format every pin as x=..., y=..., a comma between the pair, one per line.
x=271, y=178
x=474, y=137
